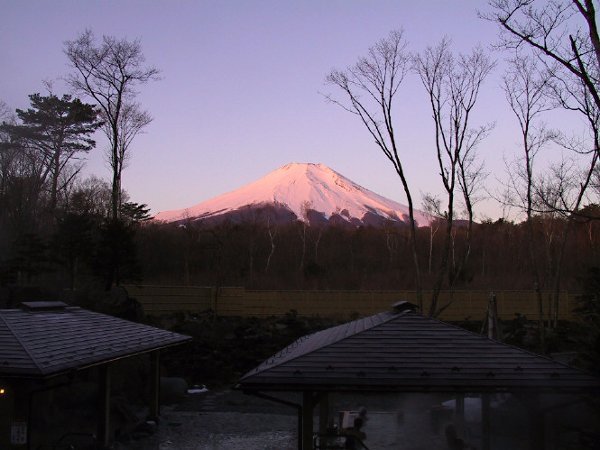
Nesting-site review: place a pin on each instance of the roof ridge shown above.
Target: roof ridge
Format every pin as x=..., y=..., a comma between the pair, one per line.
x=20, y=342
x=265, y=366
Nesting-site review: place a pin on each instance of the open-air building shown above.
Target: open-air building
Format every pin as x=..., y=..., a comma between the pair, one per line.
x=47, y=346
x=520, y=399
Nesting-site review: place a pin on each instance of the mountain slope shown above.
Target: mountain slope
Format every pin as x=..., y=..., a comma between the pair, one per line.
x=311, y=192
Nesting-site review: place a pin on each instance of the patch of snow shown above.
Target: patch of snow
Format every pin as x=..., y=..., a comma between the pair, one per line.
x=197, y=389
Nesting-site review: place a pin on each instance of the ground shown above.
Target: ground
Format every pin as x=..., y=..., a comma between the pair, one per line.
x=231, y=420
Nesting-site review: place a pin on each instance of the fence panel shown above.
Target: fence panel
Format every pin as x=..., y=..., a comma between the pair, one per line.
x=236, y=301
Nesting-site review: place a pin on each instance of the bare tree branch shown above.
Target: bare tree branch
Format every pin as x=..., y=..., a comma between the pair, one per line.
x=453, y=86
x=109, y=72
x=370, y=88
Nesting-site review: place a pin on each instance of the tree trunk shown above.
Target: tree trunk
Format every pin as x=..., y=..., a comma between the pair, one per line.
x=442, y=269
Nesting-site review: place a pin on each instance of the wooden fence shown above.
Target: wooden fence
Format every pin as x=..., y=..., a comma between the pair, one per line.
x=236, y=301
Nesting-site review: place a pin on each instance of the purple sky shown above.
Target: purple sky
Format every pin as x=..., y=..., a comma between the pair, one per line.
x=240, y=93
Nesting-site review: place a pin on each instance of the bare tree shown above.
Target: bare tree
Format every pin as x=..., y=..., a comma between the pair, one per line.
x=90, y=196
x=5, y=111
x=564, y=32
x=21, y=177
x=304, y=212
x=272, y=232
x=526, y=89
x=7, y=148
x=109, y=72
x=131, y=122
x=574, y=97
x=370, y=88
x=562, y=190
x=453, y=85
x=432, y=208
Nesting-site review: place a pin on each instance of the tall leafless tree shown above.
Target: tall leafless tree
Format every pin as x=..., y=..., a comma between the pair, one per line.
x=453, y=85
x=7, y=151
x=432, y=208
x=272, y=232
x=131, y=122
x=563, y=35
x=370, y=88
x=526, y=88
x=109, y=72
x=564, y=32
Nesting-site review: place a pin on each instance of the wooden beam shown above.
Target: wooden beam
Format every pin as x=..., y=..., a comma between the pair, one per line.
x=104, y=406
x=537, y=431
x=459, y=414
x=20, y=425
x=300, y=428
x=155, y=386
x=324, y=413
x=307, y=420
x=485, y=422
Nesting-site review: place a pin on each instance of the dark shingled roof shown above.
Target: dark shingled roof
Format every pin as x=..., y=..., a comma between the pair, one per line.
x=408, y=352
x=48, y=338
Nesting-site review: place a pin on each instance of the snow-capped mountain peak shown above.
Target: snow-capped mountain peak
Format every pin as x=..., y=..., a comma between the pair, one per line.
x=307, y=190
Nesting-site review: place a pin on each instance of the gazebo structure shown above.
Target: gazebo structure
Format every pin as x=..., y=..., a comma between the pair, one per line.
x=403, y=352
x=44, y=345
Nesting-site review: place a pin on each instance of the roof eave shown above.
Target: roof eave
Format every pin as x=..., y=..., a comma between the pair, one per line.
x=41, y=375
x=417, y=388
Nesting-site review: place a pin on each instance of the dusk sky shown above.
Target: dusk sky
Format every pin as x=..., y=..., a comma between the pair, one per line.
x=242, y=84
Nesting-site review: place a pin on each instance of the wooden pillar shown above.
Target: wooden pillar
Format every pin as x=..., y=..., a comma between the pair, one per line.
x=537, y=432
x=307, y=420
x=155, y=385
x=20, y=424
x=486, y=422
x=323, y=419
x=459, y=414
x=300, y=429
x=104, y=406
x=324, y=413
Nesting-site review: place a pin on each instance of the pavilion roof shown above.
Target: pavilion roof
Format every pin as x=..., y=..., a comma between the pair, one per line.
x=49, y=338
x=404, y=351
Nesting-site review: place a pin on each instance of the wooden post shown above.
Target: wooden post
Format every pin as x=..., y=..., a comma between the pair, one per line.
x=537, y=432
x=104, y=406
x=324, y=413
x=155, y=386
x=323, y=417
x=20, y=426
x=485, y=422
x=307, y=420
x=300, y=429
x=459, y=413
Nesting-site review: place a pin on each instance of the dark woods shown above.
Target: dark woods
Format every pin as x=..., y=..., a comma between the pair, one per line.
x=291, y=256
x=77, y=246
x=55, y=228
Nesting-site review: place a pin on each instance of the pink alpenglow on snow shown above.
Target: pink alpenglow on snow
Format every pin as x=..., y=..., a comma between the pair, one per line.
x=311, y=192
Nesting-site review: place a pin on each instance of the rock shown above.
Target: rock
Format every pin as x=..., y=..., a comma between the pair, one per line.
x=172, y=390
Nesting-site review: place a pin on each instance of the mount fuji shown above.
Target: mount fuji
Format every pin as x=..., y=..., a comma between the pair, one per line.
x=313, y=193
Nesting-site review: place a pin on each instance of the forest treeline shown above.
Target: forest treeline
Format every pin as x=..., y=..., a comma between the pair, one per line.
x=296, y=256
x=80, y=247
